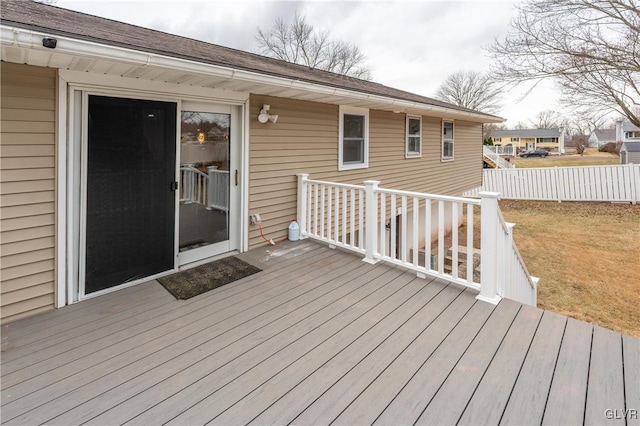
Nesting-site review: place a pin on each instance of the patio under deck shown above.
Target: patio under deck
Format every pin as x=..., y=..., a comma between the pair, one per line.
x=318, y=337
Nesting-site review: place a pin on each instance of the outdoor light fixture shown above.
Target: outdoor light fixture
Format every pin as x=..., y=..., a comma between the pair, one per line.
x=50, y=43
x=264, y=115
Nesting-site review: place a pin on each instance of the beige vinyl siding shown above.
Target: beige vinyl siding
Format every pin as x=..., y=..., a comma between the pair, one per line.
x=27, y=190
x=305, y=140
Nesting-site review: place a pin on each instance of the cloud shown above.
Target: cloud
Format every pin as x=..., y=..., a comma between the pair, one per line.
x=411, y=45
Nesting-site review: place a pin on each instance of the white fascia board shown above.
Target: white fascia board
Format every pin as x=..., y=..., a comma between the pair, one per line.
x=29, y=39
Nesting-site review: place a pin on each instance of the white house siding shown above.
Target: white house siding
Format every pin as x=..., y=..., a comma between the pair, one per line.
x=305, y=140
x=27, y=192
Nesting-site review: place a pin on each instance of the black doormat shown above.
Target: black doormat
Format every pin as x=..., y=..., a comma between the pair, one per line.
x=192, y=282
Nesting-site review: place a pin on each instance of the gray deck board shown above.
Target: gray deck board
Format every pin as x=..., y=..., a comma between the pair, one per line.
x=529, y=395
x=347, y=355
x=317, y=337
x=335, y=400
x=631, y=354
x=411, y=400
x=568, y=392
x=227, y=345
x=153, y=325
x=451, y=398
x=605, y=389
x=221, y=317
x=239, y=359
x=489, y=399
x=368, y=405
x=218, y=391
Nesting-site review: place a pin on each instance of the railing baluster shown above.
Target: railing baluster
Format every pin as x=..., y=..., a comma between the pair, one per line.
x=315, y=209
x=329, y=213
x=361, y=219
x=383, y=222
x=352, y=239
x=454, y=239
x=344, y=216
x=336, y=229
x=322, y=195
x=403, y=230
x=470, y=226
x=416, y=230
x=427, y=235
x=441, y=250
x=393, y=251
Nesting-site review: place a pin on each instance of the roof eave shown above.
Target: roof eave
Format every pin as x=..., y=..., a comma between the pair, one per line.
x=31, y=39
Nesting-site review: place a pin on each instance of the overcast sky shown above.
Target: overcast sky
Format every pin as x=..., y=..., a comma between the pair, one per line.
x=410, y=45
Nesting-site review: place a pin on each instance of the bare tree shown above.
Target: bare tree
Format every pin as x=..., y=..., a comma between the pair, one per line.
x=591, y=48
x=579, y=142
x=547, y=120
x=473, y=90
x=299, y=42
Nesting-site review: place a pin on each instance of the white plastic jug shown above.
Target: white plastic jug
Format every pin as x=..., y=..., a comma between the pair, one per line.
x=294, y=231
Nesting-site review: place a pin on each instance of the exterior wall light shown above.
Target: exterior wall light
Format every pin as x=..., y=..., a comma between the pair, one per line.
x=264, y=115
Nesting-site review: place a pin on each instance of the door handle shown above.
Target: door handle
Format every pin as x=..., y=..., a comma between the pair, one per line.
x=236, y=177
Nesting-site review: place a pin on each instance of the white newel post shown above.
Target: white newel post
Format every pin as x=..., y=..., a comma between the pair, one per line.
x=489, y=247
x=371, y=221
x=302, y=204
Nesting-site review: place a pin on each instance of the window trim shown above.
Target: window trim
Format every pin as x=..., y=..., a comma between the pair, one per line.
x=407, y=153
x=352, y=111
x=442, y=141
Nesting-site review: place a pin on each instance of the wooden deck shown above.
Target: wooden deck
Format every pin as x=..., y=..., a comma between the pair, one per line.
x=318, y=337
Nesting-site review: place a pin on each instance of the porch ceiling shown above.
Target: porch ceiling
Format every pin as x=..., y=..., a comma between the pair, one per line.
x=79, y=56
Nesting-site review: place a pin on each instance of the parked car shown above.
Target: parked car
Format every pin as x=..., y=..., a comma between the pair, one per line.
x=534, y=153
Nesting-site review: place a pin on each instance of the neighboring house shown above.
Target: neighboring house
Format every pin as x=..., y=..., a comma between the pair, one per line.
x=524, y=139
x=97, y=115
x=599, y=137
x=630, y=153
x=628, y=136
x=627, y=132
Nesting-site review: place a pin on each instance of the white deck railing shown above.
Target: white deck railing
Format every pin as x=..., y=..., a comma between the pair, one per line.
x=490, y=153
x=501, y=150
x=209, y=189
x=584, y=183
x=431, y=234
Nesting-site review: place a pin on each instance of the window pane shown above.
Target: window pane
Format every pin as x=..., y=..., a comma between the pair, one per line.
x=447, y=130
x=414, y=144
x=353, y=126
x=447, y=149
x=353, y=151
x=414, y=126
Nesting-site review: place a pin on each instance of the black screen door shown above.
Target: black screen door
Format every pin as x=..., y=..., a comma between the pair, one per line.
x=130, y=208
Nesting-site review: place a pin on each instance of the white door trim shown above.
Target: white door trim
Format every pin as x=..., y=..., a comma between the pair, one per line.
x=70, y=175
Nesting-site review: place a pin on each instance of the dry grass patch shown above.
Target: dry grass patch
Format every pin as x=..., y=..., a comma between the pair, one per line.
x=587, y=256
x=591, y=158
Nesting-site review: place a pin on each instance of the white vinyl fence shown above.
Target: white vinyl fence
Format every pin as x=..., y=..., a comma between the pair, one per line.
x=420, y=232
x=615, y=183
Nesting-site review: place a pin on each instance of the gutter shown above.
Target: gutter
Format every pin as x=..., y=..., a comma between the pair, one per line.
x=24, y=38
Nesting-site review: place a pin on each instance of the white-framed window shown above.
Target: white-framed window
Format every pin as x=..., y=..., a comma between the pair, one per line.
x=353, y=128
x=413, y=146
x=447, y=141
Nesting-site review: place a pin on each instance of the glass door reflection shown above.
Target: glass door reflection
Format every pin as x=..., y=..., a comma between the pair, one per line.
x=204, y=180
